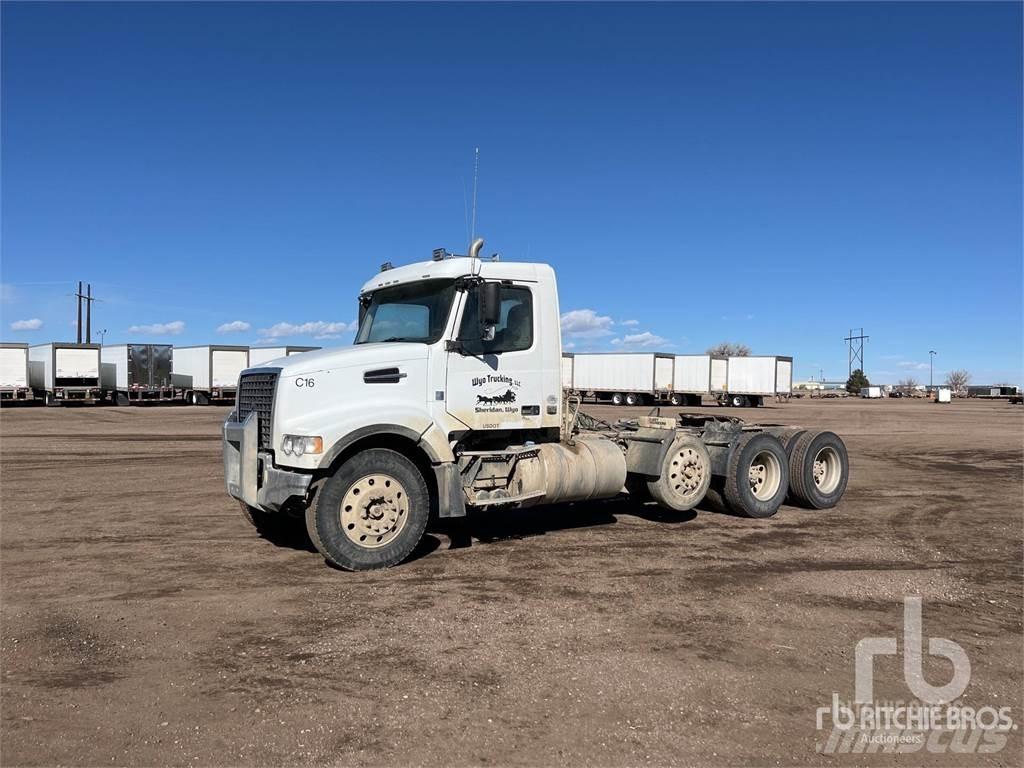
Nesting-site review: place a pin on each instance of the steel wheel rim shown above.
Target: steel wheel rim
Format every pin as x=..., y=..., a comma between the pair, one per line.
x=828, y=469
x=687, y=472
x=765, y=476
x=374, y=510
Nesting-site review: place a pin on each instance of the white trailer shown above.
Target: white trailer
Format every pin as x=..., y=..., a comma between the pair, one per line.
x=466, y=410
x=260, y=355
x=60, y=372
x=208, y=372
x=136, y=372
x=694, y=376
x=14, y=372
x=871, y=393
x=944, y=395
x=621, y=378
x=752, y=378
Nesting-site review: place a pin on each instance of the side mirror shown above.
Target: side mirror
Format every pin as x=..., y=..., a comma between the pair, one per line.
x=490, y=305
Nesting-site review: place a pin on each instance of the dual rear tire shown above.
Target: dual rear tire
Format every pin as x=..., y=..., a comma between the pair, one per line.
x=809, y=468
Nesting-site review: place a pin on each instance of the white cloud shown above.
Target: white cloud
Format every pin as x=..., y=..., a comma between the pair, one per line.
x=630, y=322
x=235, y=326
x=27, y=325
x=912, y=365
x=585, y=324
x=172, y=328
x=317, y=329
x=645, y=339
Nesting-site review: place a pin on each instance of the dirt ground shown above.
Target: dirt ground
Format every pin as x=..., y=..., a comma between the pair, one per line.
x=145, y=623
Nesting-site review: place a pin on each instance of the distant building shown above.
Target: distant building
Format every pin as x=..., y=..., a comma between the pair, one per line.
x=991, y=390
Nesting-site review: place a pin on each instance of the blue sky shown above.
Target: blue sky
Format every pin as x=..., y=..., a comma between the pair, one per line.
x=766, y=173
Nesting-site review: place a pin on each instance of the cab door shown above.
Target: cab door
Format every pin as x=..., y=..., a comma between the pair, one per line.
x=497, y=383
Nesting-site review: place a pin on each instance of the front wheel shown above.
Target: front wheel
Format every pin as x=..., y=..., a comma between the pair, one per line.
x=371, y=513
x=677, y=399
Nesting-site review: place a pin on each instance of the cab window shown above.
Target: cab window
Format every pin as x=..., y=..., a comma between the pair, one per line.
x=514, y=331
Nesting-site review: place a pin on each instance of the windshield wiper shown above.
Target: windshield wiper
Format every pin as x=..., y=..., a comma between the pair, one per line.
x=390, y=339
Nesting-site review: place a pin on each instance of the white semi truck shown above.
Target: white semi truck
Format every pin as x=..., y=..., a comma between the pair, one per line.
x=451, y=399
x=14, y=371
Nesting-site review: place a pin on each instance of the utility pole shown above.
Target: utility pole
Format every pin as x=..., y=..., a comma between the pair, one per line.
x=89, y=299
x=103, y=335
x=931, y=367
x=78, y=323
x=856, y=352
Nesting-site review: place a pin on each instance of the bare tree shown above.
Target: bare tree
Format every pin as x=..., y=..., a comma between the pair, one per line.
x=957, y=380
x=908, y=383
x=729, y=349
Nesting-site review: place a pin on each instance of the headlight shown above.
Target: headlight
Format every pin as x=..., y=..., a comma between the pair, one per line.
x=297, y=445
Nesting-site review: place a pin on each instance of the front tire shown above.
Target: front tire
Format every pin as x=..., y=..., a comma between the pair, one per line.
x=371, y=513
x=757, y=478
x=677, y=399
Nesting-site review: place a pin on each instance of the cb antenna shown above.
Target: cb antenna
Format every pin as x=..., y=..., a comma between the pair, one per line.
x=476, y=172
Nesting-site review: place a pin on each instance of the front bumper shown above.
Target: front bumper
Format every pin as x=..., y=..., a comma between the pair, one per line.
x=249, y=474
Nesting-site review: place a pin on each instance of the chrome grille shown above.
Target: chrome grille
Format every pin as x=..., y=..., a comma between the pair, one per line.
x=256, y=393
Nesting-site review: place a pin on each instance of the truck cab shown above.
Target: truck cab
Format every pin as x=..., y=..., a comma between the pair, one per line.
x=448, y=350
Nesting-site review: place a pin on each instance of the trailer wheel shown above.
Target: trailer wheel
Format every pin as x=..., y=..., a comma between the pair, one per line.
x=49, y=399
x=677, y=399
x=788, y=438
x=685, y=475
x=738, y=401
x=121, y=399
x=632, y=399
x=371, y=512
x=618, y=398
x=819, y=470
x=757, y=476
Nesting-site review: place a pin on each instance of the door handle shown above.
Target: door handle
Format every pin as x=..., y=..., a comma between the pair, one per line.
x=383, y=376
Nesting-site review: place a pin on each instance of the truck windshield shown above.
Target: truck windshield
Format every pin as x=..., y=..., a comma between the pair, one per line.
x=412, y=312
